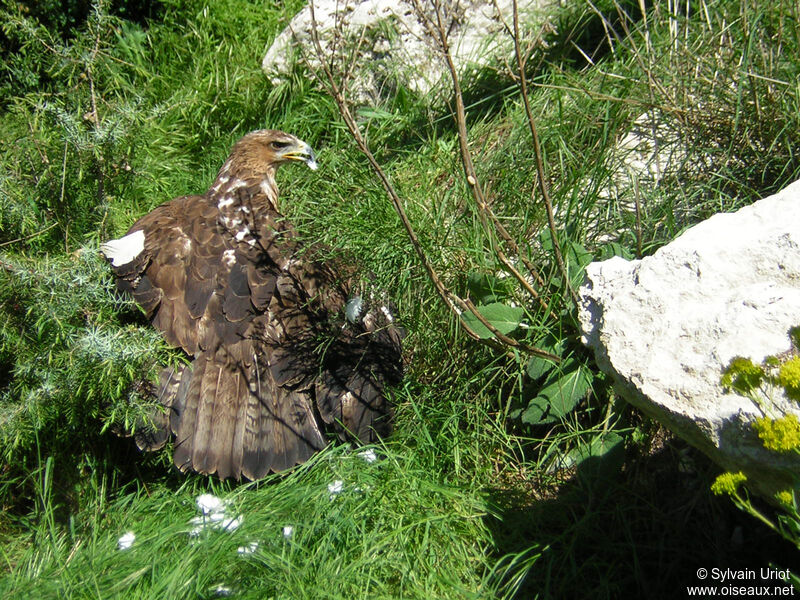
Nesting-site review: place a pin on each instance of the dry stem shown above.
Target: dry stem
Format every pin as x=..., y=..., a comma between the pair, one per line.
x=454, y=302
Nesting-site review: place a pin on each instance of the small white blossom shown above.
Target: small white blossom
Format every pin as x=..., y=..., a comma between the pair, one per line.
x=126, y=540
x=215, y=521
x=249, y=549
x=335, y=487
x=288, y=530
x=231, y=524
x=209, y=503
x=368, y=455
x=222, y=591
x=215, y=517
x=199, y=524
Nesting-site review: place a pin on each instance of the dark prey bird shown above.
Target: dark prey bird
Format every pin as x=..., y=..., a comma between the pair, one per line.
x=283, y=347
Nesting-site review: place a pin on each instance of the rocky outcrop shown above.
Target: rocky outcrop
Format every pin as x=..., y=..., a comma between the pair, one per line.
x=666, y=326
x=388, y=44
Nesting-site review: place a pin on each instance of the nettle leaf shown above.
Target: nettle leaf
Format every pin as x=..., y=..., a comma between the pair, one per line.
x=614, y=249
x=560, y=394
x=504, y=318
x=602, y=456
x=486, y=289
x=538, y=366
x=577, y=258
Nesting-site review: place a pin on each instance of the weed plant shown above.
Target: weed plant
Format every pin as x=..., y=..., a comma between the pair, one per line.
x=488, y=489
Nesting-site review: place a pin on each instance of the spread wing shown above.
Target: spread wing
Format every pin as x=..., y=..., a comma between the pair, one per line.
x=183, y=275
x=272, y=364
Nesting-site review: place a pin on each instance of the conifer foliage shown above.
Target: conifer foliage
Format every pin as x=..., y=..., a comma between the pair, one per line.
x=90, y=121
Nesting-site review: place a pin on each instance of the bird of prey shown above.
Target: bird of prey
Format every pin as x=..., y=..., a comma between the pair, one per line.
x=284, y=347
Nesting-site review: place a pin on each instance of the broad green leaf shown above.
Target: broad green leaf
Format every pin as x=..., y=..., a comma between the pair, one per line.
x=374, y=113
x=537, y=412
x=601, y=457
x=504, y=318
x=561, y=392
x=538, y=366
x=577, y=258
x=486, y=289
x=614, y=249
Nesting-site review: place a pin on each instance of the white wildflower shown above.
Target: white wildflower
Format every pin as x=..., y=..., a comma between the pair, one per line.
x=231, y=524
x=209, y=503
x=222, y=591
x=288, y=530
x=214, y=515
x=368, y=455
x=335, y=488
x=199, y=524
x=126, y=540
x=249, y=549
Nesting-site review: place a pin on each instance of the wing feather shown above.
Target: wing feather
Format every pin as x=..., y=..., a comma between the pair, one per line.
x=273, y=361
x=212, y=401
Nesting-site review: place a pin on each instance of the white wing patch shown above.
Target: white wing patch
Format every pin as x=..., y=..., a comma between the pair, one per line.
x=125, y=249
x=225, y=202
x=229, y=257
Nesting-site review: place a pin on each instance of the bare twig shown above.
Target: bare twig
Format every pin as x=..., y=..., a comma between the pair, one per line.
x=454, y=302
x=551, y=223
x=485, y=213
x=29, y=237
x=638, y=206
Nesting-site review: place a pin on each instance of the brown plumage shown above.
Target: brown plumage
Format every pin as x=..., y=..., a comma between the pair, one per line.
x=281, y=346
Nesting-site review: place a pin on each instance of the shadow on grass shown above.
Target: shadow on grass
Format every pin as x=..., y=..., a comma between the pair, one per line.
x=640, y=533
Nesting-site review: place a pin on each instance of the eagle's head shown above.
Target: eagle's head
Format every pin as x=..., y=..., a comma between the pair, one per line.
x=263, y=151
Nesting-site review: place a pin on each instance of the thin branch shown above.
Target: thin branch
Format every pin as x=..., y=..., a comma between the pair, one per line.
x=485, y=213
x=551, y=222
x=29, y=237
x=454, y=302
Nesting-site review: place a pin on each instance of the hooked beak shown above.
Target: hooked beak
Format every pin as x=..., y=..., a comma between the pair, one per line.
x=304, y=153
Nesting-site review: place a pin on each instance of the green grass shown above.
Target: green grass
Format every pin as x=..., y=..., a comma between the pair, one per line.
x=393, y=526
x=469, y=500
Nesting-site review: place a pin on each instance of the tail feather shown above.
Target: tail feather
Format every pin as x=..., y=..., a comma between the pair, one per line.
x=153, y=434
x=258, y=405
x=185, y=412
x=282, y=430
x=209, y=403
x=227, y=424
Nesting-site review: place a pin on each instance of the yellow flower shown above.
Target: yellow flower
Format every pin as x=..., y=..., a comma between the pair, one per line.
x=785, y=497
x=728, y=483
x=743, y=375
x=780, y=435
x=789, y=376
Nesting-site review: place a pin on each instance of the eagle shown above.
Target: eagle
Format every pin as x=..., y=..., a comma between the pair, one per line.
x=285, y=348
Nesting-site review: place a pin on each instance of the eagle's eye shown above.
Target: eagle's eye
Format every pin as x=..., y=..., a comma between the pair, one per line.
x=279, y=145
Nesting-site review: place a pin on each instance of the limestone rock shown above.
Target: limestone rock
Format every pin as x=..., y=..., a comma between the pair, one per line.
x=666, y=326
x=391, y=42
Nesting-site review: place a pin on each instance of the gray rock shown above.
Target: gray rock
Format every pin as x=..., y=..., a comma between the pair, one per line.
x=666, y=326
x=391, y=43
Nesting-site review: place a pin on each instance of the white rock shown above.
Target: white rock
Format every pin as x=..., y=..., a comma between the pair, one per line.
x=406, y=58
x=666, y=326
